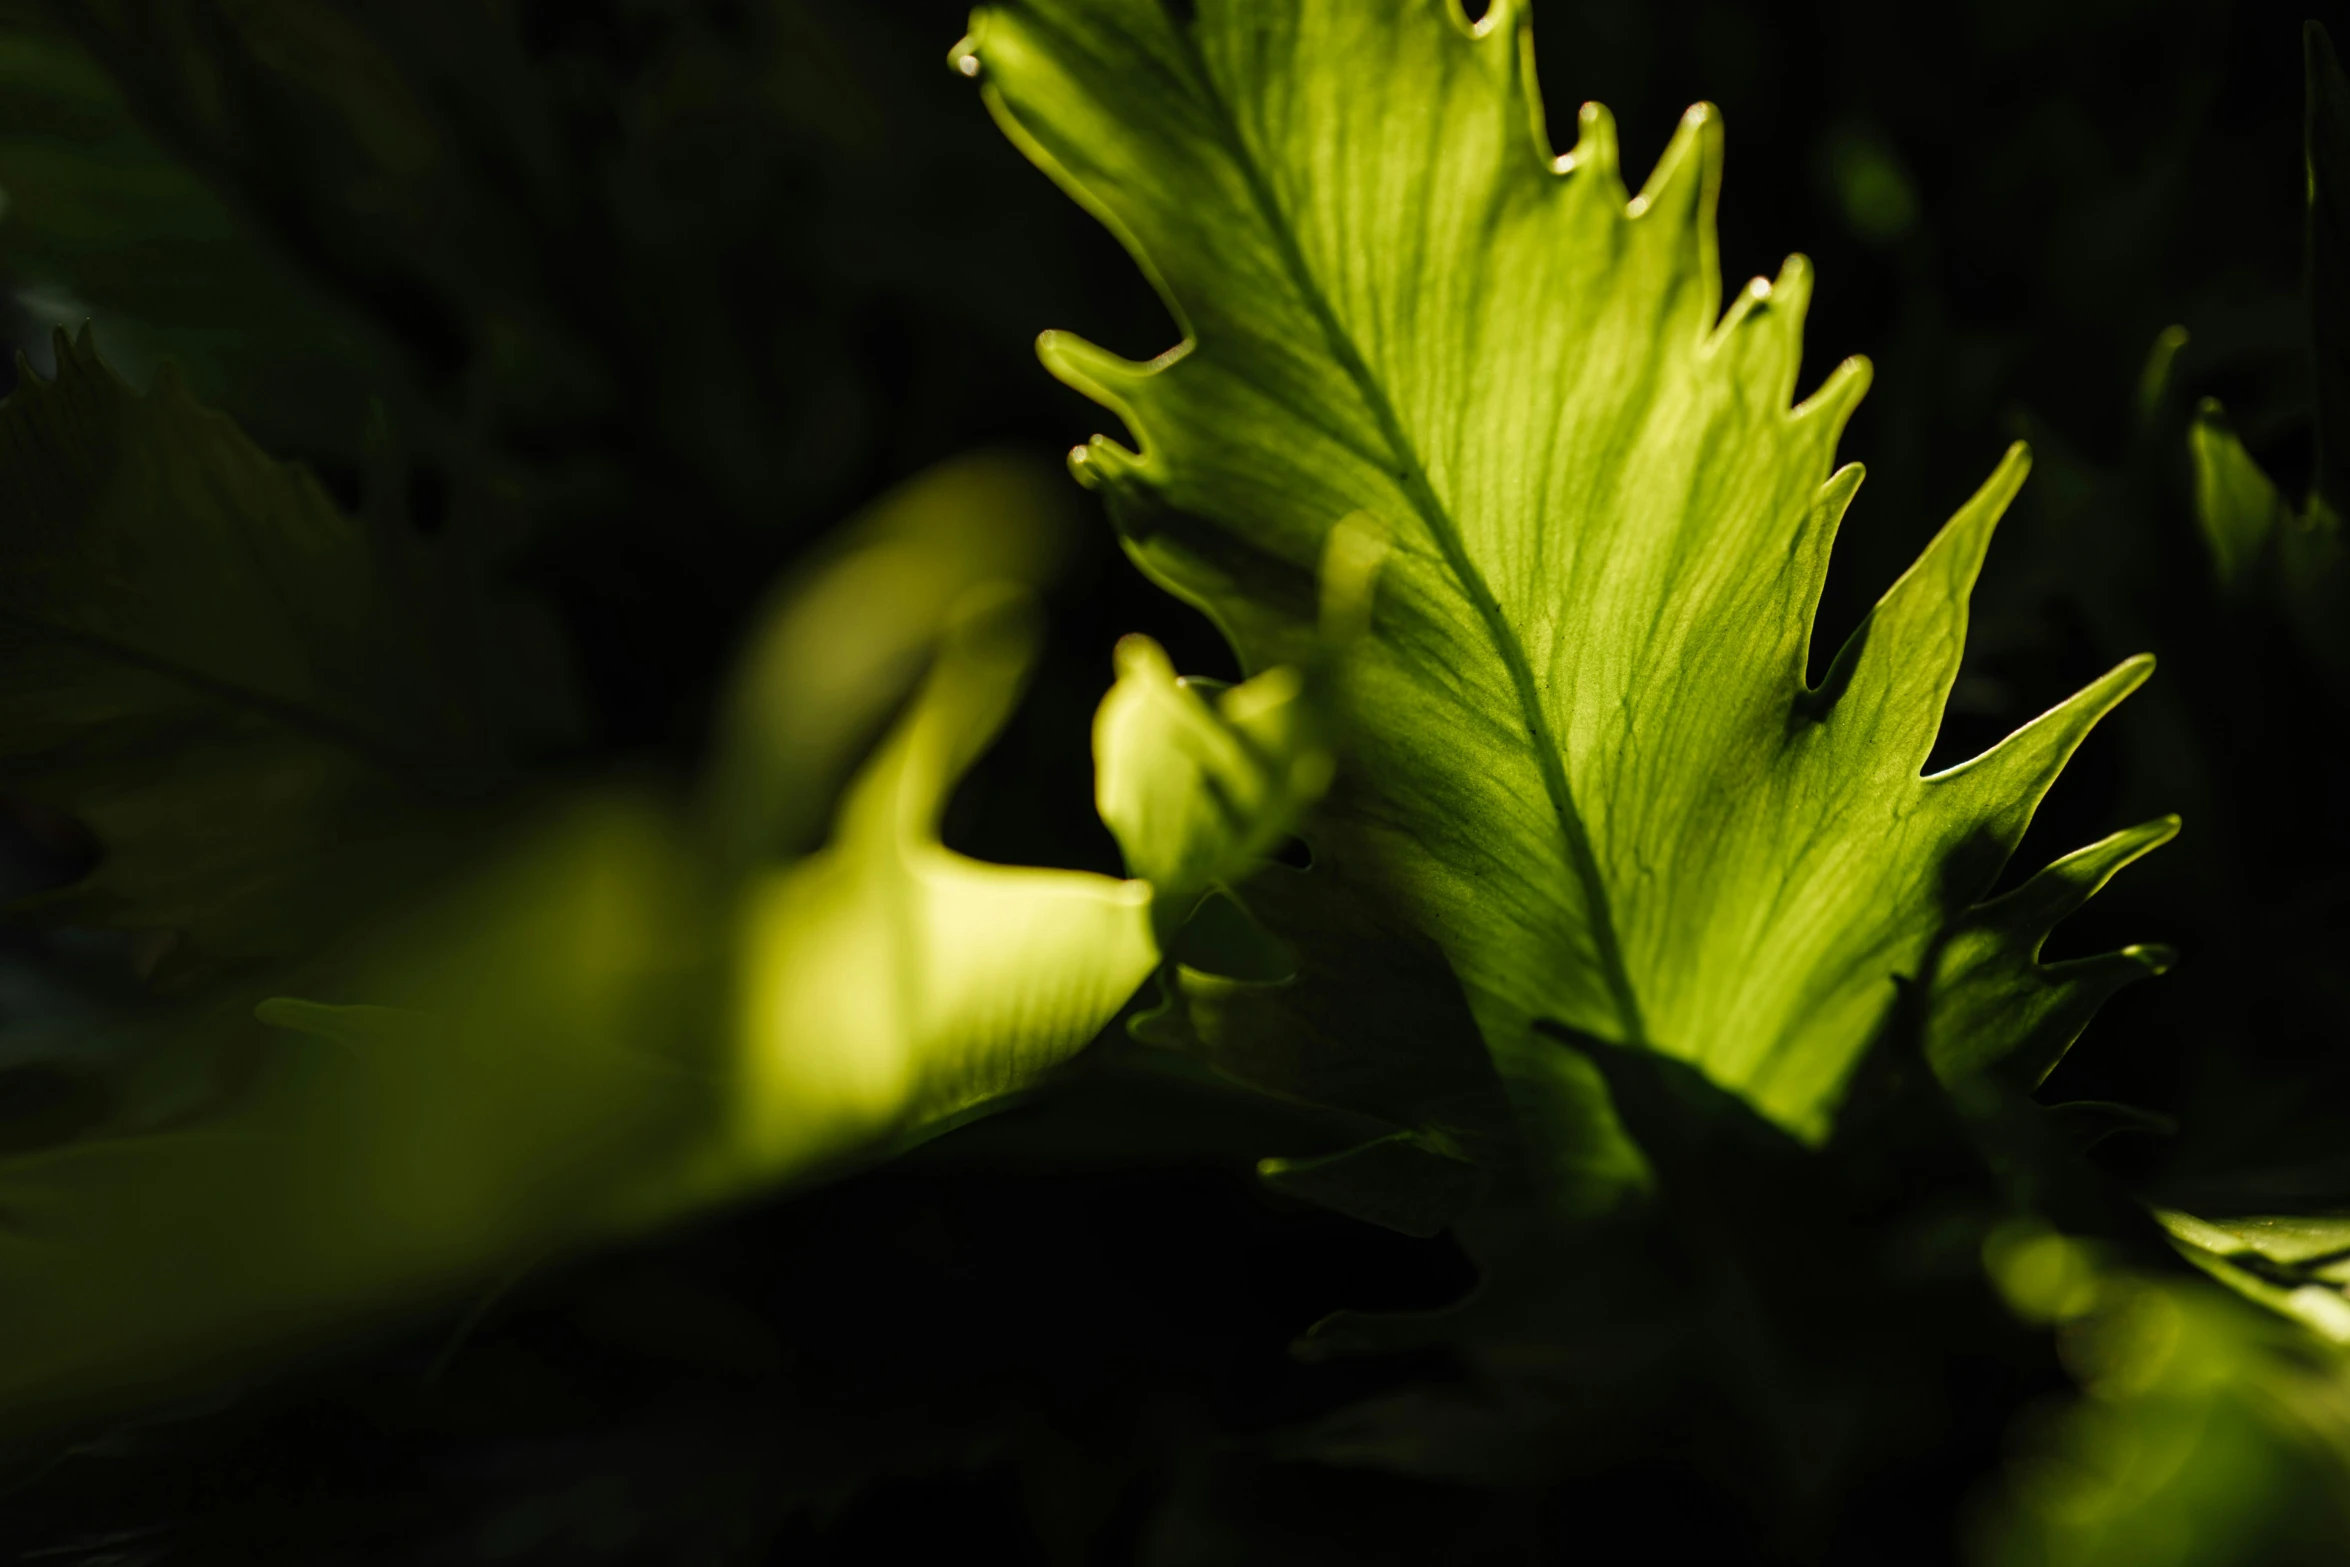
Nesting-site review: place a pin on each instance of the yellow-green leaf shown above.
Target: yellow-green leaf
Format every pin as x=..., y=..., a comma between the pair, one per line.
x=614, y=1019
x=1583, y=755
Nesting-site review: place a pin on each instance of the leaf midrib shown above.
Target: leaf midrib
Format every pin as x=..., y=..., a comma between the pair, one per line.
x=1549, y=754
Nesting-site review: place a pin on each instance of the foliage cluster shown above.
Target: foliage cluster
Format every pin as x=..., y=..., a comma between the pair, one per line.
x=491, y=853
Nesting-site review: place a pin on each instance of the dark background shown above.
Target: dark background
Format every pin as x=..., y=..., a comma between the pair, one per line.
x=805, y=266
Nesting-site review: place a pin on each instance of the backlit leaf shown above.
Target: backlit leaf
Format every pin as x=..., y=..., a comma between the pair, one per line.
x=1584, y=759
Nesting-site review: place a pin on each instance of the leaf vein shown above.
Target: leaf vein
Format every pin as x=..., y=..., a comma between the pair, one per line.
x=1549, y=755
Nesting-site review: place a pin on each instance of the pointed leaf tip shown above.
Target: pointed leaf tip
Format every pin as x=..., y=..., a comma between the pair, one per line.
x=2033, y=909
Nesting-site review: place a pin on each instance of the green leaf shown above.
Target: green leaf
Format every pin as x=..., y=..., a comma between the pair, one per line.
x=1355, y=1010
x=851, y=632
x=2206, y=1434
x=491, y=218
x=887, y=981
x=2242, y=514
x=1995, y=1004
x=601, y=1028
x=2264, y=548
x=2295, y=1264
x=98, y=222
x=1199, y=793
x=1739, y=1307
x=1584, y=758
x=260, y=706
x=486, y=1084
x=1416, y=1183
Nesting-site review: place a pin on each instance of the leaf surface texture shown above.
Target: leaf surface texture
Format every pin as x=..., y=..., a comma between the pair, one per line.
x=1585, y=760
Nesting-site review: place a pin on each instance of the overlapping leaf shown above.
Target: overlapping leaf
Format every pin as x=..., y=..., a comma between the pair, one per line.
x=1586, y=760
x=250, y=698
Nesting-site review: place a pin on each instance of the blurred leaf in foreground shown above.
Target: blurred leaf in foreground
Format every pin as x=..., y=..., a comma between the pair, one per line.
x=617, y=1017
x=888, y=982
x=496, y=1091
x=2207, y=1434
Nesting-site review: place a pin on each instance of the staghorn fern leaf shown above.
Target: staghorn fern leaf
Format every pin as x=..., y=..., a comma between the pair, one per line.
x=1585, y=761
